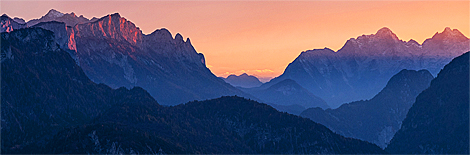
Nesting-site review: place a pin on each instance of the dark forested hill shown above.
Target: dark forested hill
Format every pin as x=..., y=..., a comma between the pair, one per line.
x=223, y=125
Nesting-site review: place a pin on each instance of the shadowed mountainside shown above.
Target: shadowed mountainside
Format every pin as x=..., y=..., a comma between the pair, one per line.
x=438, y=122
x=378, y=119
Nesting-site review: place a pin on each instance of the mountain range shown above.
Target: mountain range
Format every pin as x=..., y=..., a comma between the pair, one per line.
x=361, y=68
x=49, y=106
x=113, y=51
x=378, y=119
x=77, y=85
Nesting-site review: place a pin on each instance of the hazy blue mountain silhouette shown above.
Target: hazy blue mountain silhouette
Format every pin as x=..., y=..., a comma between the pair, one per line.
x=362, y=67
x=378, y=119
x=438, y=122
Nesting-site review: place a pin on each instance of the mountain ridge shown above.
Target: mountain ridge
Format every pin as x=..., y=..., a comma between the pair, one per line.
x=363, y=65
x=114, y=51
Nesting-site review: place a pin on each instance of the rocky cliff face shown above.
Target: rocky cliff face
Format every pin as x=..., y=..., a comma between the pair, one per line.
x=363, y=65
x=113, y=51
x=8, y=24
x=375, y=120
x=438, y=122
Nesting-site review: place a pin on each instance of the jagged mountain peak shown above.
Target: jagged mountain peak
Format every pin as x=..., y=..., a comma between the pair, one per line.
x=386, y=33
x=8, y=24
x=412, y=41
x=70, y=19
x=161, y=34
x=450, y=34
x=384, y=30
x=54, y=14
x=110, y=16
x=179, y=37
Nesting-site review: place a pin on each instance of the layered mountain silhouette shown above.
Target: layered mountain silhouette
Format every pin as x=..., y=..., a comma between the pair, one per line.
x=438, y=122
x=113, y=51
x=50, y=106
x=288, y=96
x=44, y=91
x=378, y=119
x=244, y=80
x=361, y=68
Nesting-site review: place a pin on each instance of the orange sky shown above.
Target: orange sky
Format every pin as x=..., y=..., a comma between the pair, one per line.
x=263, y=37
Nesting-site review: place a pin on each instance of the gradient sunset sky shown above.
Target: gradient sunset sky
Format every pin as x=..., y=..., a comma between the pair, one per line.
x=263, y=37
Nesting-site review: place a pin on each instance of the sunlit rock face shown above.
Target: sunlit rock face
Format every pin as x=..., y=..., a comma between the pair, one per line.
x=8, y=24
x=361, y=68
x=113, y=51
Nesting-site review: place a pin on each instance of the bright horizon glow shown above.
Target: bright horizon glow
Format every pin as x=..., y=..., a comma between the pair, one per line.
x=262, y=37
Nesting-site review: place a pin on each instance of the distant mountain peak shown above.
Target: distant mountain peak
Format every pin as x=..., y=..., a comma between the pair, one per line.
x=179, y=37
x=243, y=80
x=116, y=15
x=449, y=34
x=386, y=32
x=447, y=29
x=54, y=14
x=413, y=41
